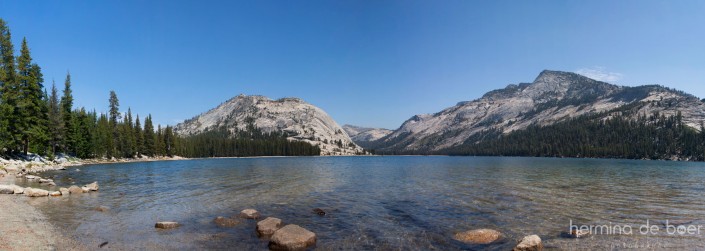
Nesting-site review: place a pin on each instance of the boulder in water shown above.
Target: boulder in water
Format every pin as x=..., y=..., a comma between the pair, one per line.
x=92, y=187
x=249, y=214
x=529, y=243
x=102, y=209
x=292, y=237
x=166, y=225
x=225, y=222
x=36, y=192
x=319, y=211
x=478, y=236
x=268, y=226
x=75, y=190
x=7, y=189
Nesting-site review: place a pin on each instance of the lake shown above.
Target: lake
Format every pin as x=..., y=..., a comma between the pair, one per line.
x=381, y=203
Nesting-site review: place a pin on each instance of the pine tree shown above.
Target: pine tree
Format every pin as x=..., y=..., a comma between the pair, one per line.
x=114, y=114
x=139, y=138
x=159, y=142
x=28, y=113
x=56, y=123
x=149, y=137
x=128, y=135
x=8, y=89
x=169, y=141
x=103, y=137
x=67, y=114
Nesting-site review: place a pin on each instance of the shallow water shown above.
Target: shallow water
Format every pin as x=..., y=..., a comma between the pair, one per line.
x=395, y=202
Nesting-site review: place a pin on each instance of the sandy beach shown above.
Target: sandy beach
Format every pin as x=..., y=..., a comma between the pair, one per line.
x=23, y=227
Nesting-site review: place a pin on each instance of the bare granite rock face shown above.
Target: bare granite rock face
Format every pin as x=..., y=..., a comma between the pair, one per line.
x=300, y=120
x=363, y=136
x=554, y=96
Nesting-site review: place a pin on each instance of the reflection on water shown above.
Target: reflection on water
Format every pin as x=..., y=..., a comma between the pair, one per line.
x=381, y=202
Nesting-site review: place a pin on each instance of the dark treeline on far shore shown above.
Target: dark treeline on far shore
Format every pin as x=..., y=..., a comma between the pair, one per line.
x=654, y=136
x=37, y=121
x=620, y=133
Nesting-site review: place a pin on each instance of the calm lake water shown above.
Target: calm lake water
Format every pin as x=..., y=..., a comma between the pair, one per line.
x=381, y=203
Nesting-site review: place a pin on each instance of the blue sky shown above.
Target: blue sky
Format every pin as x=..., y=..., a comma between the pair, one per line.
x=369, y=63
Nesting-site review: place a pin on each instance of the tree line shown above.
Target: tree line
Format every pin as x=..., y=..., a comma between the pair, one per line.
x=46, y=123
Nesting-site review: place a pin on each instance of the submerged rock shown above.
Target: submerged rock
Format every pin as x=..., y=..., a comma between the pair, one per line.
x=578, y=233
x=249, y=214
x=75, y=190
x=225, y=222
x=36, y=192
x=102, y=209
x=478, y=236
x=319, y=211
x=166, y=225
x=268, y=226
x=529, y=243
x=292, y=237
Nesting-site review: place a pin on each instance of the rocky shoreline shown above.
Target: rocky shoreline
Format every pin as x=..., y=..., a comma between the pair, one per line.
x=22, y=226
x=34, y=232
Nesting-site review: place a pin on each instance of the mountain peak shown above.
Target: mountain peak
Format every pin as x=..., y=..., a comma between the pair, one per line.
x=301, y=121
x=553, y=76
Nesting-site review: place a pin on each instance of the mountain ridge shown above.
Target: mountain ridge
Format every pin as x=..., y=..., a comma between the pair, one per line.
x=552, y=97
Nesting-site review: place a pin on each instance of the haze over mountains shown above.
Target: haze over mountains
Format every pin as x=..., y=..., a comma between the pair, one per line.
x=553, y=97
